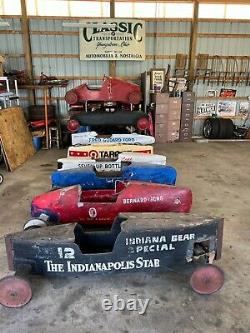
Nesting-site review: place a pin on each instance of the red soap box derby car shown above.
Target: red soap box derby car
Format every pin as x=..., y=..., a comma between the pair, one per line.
x=100, y=207
x=112, y=90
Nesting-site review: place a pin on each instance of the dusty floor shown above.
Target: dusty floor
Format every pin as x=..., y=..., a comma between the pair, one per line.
x=219, y=176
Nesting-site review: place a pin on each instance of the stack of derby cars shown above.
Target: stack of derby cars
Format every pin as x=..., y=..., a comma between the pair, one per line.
x=97, y=181
x=130, y=194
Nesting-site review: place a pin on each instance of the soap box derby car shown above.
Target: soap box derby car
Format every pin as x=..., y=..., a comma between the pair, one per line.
x=136, y=242
x=137, y=119
x=106, y=151
x=100, y=207
x=104, y=178
x=114, y=164
x=112, y=90
x=88, y=138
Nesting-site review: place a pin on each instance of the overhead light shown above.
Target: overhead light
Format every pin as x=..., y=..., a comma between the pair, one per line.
x=88, y=25
x=4, y=24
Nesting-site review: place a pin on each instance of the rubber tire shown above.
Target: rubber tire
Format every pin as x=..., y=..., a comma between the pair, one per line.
x=226, y=129
x=34, y=226
x=215, y=128
x=36, y=112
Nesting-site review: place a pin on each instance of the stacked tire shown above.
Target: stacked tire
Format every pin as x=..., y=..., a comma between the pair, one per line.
x=218, y=128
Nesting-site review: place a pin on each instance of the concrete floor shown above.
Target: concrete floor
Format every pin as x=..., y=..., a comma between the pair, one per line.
x=219, y=176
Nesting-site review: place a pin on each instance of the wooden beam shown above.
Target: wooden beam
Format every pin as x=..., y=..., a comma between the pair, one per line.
x=192, y=46
x=27, y=46
x=26, y=40
x=112, y=63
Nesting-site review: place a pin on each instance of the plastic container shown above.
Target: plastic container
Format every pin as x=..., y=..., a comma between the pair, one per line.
x=37, y=142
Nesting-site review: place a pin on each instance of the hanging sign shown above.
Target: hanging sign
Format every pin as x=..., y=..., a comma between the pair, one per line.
x=125, y=40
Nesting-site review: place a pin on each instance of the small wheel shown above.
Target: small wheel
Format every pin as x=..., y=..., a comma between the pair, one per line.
x=207, y=280
x=14, y=292
x=34, y=223
x=1, y=178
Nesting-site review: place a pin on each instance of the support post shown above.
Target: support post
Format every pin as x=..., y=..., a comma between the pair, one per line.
x=112, y=63
x=192, y=45
x=27, y=46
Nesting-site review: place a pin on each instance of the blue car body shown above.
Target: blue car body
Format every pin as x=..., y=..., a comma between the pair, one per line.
x=89, y=179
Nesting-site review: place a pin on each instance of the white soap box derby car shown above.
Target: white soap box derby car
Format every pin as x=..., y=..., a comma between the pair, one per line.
x=111, y=164
x=89, y=138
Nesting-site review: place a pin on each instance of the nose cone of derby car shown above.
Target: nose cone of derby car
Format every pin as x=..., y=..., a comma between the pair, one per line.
x=88, y=178
x=72, y=204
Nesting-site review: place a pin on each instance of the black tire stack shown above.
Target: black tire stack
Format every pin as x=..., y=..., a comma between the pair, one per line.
x=218, y=128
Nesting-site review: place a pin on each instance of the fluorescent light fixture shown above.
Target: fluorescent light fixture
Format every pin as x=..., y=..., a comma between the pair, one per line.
x=4, y=24
x=88, y=25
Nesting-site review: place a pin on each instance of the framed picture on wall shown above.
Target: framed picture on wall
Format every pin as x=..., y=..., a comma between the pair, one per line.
x=243, y=108
x=224, y=92
x=205, y=109
x=226, y=108
x=157, y=78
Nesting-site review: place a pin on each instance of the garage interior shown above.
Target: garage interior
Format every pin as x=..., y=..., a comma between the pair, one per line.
x=202, y=45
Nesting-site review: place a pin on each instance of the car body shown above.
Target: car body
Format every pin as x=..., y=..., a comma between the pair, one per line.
x=89, y=138
x=137, y=119
x=105, y=176
x=106, y=151
x=112, y=90
x=72, y=204
x=148, y=242
x=111, y=164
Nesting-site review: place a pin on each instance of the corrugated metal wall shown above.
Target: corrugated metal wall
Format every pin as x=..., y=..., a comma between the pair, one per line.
x=68, y=63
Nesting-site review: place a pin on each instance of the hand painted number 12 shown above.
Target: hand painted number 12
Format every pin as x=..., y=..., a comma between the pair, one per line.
x=66, y=253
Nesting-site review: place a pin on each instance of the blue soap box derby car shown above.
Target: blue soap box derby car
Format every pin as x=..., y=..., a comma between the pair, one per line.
x=89, y=178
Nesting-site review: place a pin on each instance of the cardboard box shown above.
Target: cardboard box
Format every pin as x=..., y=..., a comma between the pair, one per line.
x=160, y=98
x=167, y=127
x=160, y=118
x=174, y=103
x=173, y=114
x=171, y=137
x=161, y=109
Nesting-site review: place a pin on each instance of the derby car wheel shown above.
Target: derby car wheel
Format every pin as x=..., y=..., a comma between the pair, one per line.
x=1, y=178
x=14, y=292
x=34, y=223
x=207, y=280
x=142, y=124
x=73, y=125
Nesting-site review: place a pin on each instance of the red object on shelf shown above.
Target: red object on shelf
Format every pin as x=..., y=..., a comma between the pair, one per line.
x=112, y=90
x=40, y=123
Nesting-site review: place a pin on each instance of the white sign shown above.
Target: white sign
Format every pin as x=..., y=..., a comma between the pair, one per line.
x=124, y=41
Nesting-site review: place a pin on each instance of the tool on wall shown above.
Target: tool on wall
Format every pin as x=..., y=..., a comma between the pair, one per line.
x=201, y=67
x=231, y=70
x=180, y=65
x=214, y=74
x=244, y=69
